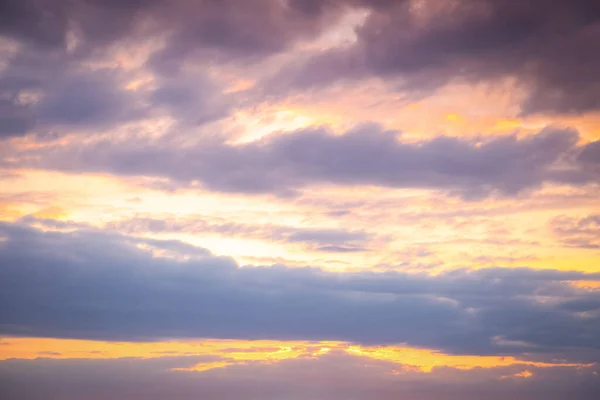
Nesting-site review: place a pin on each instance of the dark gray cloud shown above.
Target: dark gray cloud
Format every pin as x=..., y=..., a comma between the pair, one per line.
x=326, y=236
x=87, y=98
x=93, y=284
x=366, y=155
x=15, y=119
x=44, y=91
x=331, y=240
x=547, y=45
x=41, y=22
x=334, y=376
x=228, y=29
x=50, y=91
x=46, y=24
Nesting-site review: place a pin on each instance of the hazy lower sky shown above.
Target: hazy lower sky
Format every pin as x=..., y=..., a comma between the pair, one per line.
x=299, y=199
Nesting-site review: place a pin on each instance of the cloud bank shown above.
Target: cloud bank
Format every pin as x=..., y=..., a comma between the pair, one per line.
x=92, y=284
x=367, y=155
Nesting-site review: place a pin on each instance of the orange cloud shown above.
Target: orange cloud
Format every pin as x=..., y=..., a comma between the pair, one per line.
x=241, y=352
x=426, y=360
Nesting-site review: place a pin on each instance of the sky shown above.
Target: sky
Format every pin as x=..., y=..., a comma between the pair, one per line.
x=299, y=199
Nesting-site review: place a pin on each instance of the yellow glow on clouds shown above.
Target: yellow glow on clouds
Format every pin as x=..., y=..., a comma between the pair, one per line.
x=490, y=233
x=240, y=352
x=426, y=360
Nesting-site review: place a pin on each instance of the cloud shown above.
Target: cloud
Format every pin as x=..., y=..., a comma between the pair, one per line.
x=590, y=155
x=333, y=240
x=42, y=23
x=332, y=376
x=546, y=45
x=87, y=98
x=93, y=284
x=45, y=92
x=423, y=44
x=366, y=155
x=14, y=119
x=574, y=232
x=190, y=98
x=239, y=29
x=229, y=30
x=68, y=63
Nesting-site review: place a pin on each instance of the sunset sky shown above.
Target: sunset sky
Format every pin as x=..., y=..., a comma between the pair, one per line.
x=299, y=199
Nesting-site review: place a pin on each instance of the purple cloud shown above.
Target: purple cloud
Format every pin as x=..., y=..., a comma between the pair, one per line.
x=98, y=285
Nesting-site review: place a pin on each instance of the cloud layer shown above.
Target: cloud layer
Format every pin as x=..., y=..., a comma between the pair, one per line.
x=367, y=155
x=545, y=45
x=60, y=71
x=90, y=284
x=332, y=376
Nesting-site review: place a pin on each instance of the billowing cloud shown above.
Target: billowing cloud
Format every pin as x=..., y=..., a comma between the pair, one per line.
x=59, y=70
x=546, y=45
x=45, y=91
x=90, y=284
x=93, y=98
x=367, y=155
x=418, y=45
x=47, y=23
x=235, y=29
